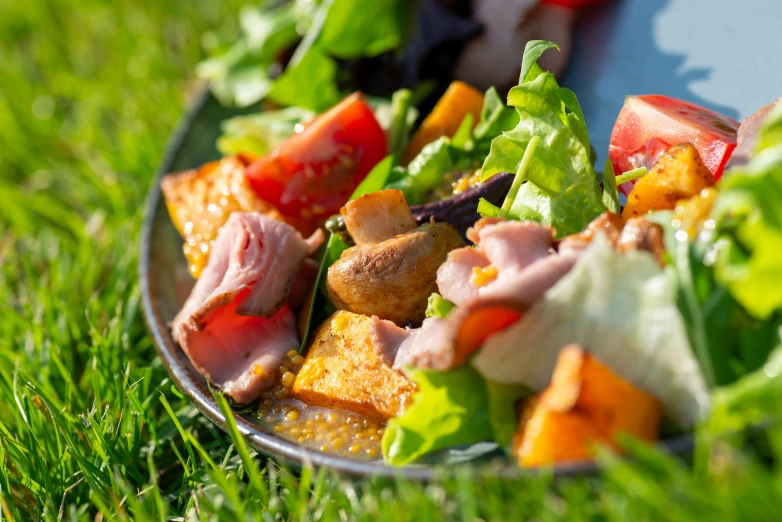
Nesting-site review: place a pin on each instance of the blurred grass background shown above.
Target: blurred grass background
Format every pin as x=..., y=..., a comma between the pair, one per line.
x=90, y=426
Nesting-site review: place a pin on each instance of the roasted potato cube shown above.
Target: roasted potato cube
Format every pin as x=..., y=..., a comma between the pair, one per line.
x=458, y=100
x=200, y=201
x=375, y=217
x=678, y=174
x=343, y=371
x=586, y=403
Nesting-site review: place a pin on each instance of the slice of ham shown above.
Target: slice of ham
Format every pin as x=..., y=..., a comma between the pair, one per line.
x=241, y=353
x=526, y=266
x=747, y=137
x=510, y=246
x=235, y=327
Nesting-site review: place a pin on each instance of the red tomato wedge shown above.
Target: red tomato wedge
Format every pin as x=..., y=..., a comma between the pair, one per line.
x=647, y=125
x=314, y=172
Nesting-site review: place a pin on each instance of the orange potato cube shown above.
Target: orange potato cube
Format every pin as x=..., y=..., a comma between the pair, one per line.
x=586, y=403
x=199, y=202
x=458, y=101
x=343, y=371
x=678, y=174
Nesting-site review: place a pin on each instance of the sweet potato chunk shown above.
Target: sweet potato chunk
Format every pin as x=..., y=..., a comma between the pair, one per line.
x=586, y=403
x=375, y=217
x=459, y=100
x=200, y=201
x=678, y=174
x=343, y=371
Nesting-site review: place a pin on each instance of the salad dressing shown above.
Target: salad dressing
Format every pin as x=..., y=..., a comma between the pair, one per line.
x=338, y=432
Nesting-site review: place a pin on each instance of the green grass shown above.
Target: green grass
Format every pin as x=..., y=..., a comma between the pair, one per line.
x=91, y=428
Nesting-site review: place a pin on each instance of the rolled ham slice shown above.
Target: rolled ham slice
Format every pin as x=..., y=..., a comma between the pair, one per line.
x=526, y=267
x=236, y=327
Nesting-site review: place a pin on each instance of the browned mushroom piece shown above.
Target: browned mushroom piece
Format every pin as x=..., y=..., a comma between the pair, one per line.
x=392, y=270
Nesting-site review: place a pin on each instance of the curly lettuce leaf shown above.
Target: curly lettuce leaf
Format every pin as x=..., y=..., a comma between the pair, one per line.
x=561, y=188
x=749, y=218
x=623, y=309
x=449, y=409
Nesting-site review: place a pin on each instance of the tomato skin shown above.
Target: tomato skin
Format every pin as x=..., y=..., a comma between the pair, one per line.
x=313, y=173
x=647, y=125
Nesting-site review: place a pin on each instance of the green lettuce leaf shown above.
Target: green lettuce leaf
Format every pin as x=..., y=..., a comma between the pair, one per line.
x=438, y=306
x=751, y=400
x=262, y=132
x=623, y=309
x=749, y=219
x=464, y=152
x=425, y=172
x=503, y=410
x=610, y=189
x=355, y=28
x=309, y=83
x=495, y=119
x=562, y=188
x=239, y=76
x=449, y=409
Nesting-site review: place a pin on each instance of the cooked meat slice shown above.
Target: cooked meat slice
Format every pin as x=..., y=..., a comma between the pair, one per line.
x=301, y=289
x=514, y=244
x=424, y=347
x=441, y=344
x=249, y=275
x=240, y=354
x=454, y=277
x=315, y=241
x=747, y=138
x=392, y=279
x=387, y=337
x=376, y=217
x=251, y=251
x=623, y=235
x=504, y=248
x=524, y=269
x=200, y=202
x=642, y=234
x=608, y=223
x=493, y=57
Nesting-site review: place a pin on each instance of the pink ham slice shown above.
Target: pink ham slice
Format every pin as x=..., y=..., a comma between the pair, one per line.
x=235, y=326
x=526, y=266
x=510, y=246
x=747, y=137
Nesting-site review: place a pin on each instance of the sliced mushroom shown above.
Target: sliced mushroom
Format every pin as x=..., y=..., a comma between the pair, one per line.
x=392, y=279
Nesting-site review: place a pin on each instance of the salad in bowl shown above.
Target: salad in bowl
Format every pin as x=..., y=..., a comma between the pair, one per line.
x=378, y=288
